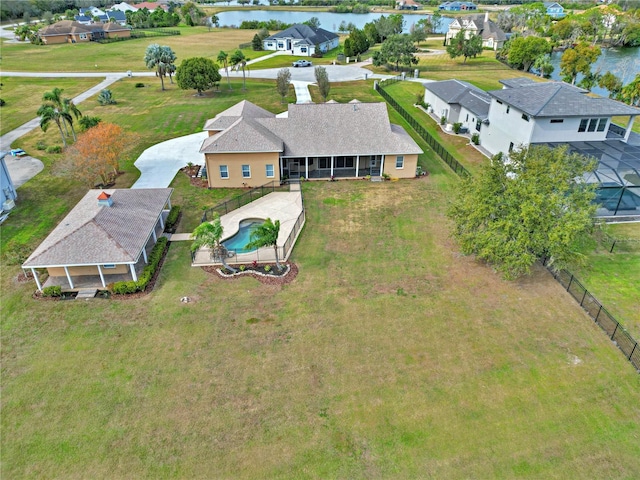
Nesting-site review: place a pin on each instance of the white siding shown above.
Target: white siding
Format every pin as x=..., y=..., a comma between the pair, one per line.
x=505, y=128
x=439, y=106
x=567, y=131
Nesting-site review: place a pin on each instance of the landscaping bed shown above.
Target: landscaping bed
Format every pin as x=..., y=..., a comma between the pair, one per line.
x=267, y=274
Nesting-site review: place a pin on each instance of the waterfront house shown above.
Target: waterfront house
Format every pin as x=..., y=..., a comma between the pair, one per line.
x=492, y=36
x=458, y=102
x=302, y=40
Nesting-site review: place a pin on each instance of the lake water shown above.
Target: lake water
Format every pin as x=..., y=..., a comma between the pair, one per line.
x=328, y=20
x=623, y=62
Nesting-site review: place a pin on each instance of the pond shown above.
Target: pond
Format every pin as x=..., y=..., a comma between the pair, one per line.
x=623, y=62
x=328, y=20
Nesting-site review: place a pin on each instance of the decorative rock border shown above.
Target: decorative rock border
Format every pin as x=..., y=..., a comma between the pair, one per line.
x=287, y=277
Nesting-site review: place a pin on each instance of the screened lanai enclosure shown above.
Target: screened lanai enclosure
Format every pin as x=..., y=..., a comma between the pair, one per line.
x=617, y=174
x=347, y=166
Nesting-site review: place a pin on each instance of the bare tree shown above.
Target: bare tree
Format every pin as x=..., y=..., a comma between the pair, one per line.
x=322, y=79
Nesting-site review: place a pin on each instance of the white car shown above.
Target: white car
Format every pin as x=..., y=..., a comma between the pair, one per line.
x=302, y=63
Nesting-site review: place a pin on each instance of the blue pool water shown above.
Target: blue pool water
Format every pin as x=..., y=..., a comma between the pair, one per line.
x=238, y=242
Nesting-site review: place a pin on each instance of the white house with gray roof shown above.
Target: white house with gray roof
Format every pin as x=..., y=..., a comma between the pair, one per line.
x=105, y=238
x=492, y=36
x=249, y=146
x=526, y=112
x=458, y=102
x=302, y=40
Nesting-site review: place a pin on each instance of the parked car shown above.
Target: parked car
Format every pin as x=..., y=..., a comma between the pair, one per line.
x=302, y=63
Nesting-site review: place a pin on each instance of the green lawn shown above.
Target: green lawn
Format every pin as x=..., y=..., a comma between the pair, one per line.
x=24, y=96
x=614, y=278
x=122, y=56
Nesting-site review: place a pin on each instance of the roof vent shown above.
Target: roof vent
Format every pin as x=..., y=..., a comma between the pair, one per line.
x=104, y=199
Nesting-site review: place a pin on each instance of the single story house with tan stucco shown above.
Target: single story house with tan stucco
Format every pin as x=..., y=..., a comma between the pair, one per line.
x=107, y=236
x=249, y=146
x=68, y=31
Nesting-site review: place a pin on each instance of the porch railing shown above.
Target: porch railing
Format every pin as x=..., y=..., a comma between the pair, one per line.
x=243, y=199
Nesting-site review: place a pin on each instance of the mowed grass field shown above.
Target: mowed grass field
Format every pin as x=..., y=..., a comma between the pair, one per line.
x=125, y=55
x=390, y=356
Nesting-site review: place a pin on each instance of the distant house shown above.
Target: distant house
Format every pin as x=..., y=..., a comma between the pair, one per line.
x=124, y=7
x=492, y=36
x=113, y=16
x=83, y=19
x=8, y=192
x=554, y=9
x=249, y=146
x=457, y=6
x=407, y=5
x=301, y=40
x=458, y=102
x=151, y=6
x=107, y=236
x=68, y=31
x=91, y=12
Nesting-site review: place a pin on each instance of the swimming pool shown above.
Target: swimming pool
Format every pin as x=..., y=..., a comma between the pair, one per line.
x=238, y=242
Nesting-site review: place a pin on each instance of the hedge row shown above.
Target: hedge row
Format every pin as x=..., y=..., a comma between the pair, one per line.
x=155, y=256
x=172, y=219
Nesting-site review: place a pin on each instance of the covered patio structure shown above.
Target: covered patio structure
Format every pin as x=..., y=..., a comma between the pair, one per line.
x=105, y=238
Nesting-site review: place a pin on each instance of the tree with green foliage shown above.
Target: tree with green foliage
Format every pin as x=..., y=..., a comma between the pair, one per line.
x=87, y=122
x=418, y=31
x=64, y=110
x=631, y=93
x=208, y=235
x=461, y=46
x=199, y=73
x=239, y=60
x=358, y=43
x=523, y=51
x=371, y=32
x=313, y=22
x=256, y=43
x=192, y=14
x=266, y=235
x=399, y=49
x=590, y=80
x=611, y=83
x=282, y=83
x=322, y=79
x=436, y=21
x=544, y=66
x=223, y=59
x=160, y=58
x=524, y=208
x=106, y=97
x=48, y=113
x=578, y=60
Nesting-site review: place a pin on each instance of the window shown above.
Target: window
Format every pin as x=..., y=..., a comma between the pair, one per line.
x=270, y=173
x=246, y=171
x=592, y=125
x=508, y=108
x=467, y=118
x=400, y=161
x=499, y=102
x=583, y=125
x=556, y=120
x=83, y=36
x=324, y=162
x=280, y=45
x=303, y=49
x=224, y=171
x=478, y=125
x=510, y=147
x=269, y=44
x=109, y=265
x=525, y=117
x=602, y=124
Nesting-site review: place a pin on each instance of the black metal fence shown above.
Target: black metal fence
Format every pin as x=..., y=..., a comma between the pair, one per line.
x=420, y=130
x=143, y=33
x=244, y=199
x=616, y=332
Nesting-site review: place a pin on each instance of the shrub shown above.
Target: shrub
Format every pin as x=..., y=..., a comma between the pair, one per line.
x=54, y=149
x=267, y=268
x=53, y=291
x=41, y=145
x=139, y=85
x=172, y=219
x=243, y=268
x=124, y=288
x=2, y=103
x=456, y=127
x=443, y=120
x=386, y=176
x=106, y=97
x=89, y=122
x=475, y=138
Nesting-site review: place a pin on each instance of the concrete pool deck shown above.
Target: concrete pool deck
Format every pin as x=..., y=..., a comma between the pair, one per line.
x=284, y=206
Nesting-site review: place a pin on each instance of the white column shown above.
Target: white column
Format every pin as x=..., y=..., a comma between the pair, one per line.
x=66, y=270
x=161, y=223
x=169, y=204
x=281, y=162
x=104, y=284
x=153, y=232
x=306, y=167
x=35, y=277
x=132, y=267
x=381, y=165
x=332, y=165
x=627, y=132
x=357, y=165
x=144, y=255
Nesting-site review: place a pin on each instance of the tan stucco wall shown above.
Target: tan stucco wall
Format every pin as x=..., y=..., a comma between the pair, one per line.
x=408, y=171
x=88, y=270
x=234, y=162
x=54, y=39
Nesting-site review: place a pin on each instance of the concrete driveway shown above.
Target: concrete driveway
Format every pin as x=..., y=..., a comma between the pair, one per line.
x=158, y=164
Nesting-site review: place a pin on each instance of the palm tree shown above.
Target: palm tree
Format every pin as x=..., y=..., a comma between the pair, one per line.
x=208, y=235
x=55, y=99
x=169, y=59
x=238, y=58
x=70, y=110
x=223, y=58
x=159, y=58
x=266, y=235
x=49, y=113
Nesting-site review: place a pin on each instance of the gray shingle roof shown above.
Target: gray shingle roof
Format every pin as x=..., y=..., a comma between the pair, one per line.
x=244, y=135
x=486, y=28
x=558, y=99
x=463, y=93
x=312, y=36
x=517, y=82
x=92, y=234
x=229, y=116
